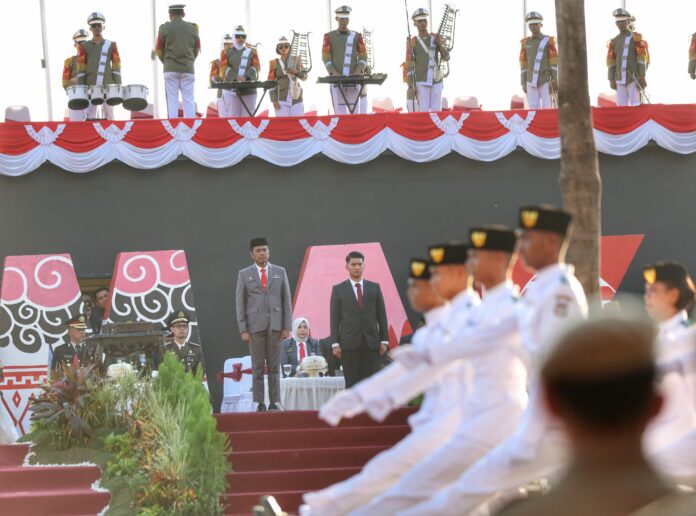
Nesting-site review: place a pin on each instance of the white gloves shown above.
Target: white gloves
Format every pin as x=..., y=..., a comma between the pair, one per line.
x=379, y=408
x=410, y=357
x=344, y=404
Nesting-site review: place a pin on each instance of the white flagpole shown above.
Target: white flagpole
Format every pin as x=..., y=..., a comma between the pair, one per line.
x=44, y=61
x=155, y=74
x=524, y=14
x=247, y=15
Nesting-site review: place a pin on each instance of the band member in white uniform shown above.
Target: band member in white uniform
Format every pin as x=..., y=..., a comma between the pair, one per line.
x=440, y=411
x=550, y=302
x=287, y=95
x=538, y=64
x=239, y=63
x=627, y=62
x=70, y=73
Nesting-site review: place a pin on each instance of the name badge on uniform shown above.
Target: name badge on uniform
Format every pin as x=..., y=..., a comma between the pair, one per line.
x=275, y=276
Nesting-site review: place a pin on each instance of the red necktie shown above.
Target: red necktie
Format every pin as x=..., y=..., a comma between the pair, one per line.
x=264, y=280
x=360, y=296
x=302, y=351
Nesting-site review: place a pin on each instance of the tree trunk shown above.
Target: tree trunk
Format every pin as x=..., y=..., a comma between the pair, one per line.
x=581, y=185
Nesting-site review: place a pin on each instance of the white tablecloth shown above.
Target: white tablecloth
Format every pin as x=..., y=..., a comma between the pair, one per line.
x=308, y=393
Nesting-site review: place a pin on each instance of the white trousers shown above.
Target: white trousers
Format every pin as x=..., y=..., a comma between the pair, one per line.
x=290, y=109
x=174, y=83
x=539, y=97
x=234, y=106
x=222, y=111
x=385, y=469
x=77, y=115
x=497, y=472
x=351, y=93
x=108, y=111
x=429, y=97
x=476, y=435
x=678, y=460
x=627, y=94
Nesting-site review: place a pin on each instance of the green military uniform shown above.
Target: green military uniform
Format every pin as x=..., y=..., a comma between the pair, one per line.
x=230, y=62
x=178, y=45
x=635, y=65
x=548, y=68
x=334, y=53
x=423, y=58
x=280, y=92
x=66, y=353
x=189, y=354
x=93, y=52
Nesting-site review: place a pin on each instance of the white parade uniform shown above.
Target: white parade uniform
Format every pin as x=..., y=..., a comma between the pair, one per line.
x=489, y=412
x=434, y=422
x=536, y=449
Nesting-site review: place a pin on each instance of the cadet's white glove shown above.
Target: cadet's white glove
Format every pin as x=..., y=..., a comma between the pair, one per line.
x=410, y=356
x=344, y=404
x=379, y=408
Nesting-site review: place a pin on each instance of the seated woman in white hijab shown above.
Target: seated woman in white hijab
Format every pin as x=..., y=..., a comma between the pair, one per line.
x=295, y=348
x=287, y=95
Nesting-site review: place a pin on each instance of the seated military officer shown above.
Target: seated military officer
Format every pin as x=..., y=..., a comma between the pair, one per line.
x=74, y=348
x=189, y=353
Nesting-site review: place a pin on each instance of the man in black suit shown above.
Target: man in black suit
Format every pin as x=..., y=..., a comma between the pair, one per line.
x=358, y=322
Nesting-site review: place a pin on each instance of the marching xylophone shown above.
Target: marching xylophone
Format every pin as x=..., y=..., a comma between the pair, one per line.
x=360, y=81
x=246, y=85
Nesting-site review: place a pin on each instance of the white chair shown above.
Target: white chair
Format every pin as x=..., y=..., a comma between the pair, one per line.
x=382, y=105
x=237, y=396
x=607, y=99
x=17, y=114
x=466, y=104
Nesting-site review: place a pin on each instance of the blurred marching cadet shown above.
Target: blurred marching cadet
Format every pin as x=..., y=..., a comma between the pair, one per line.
x=287, y=95
x=692, y=57
x=71, y=74
x=422, y=53
x=548, y=305
x=539, y=64
x=74, y=350
x=439, y=413
x=344, y=53
x=215, y=75
x=98, y=59
x=600, y=383
x=239, y=63
x=189, y=353
x=178, y=46
x=627, y=62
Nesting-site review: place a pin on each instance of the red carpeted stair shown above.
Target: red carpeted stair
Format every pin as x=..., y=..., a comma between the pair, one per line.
x=46, y=490
x=286, y=454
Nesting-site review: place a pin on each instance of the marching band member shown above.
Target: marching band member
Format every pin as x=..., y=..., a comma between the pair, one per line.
x=215, y=75
x=549, y=303
x=439, y=413
x=98, y=59
x=70, y=73
x=425, y=48
x=287, y=95
x=490, y=340
x=178, y=46
x=539, y=64
x=408, y=80
x=692, y=57
x=627, y=62
x=344, y=53
x=239, y=63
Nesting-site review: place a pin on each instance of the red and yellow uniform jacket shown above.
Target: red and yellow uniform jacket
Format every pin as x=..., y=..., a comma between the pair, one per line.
x=548, y=67
x=638, y=57
x=333, y=52
x=88, y=58
x=692, y=55
x=69, y=71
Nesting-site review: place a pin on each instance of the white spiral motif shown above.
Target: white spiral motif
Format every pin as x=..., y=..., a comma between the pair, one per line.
x=171, y=261
x=141, y=268
x=112, y=133
x=320, y=131
x=45, y=136
x=25, y=284
x=183, y=297
x=248, y=131
x=449, y=125
x=57, y=275
x=516, y=124
x=128, y=310
x=182, y=132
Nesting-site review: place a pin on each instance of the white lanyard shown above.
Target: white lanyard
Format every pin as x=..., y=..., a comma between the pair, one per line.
x=243, y=63
x=102, y=62
x=349, y=53
x=537, y=60
x=624, y=59
x=431, y=57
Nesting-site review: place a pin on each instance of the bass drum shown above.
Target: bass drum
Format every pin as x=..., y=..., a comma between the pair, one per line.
x=97, y=94
x=135, y=97
x=78, y=96
x=114, y=94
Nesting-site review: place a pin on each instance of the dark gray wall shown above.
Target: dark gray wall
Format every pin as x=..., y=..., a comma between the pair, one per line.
x=211, y=214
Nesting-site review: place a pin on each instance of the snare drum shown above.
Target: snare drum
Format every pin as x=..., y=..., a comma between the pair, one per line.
x=97, y=94
x=78, y=96
x=135, y=97
x=114, y=94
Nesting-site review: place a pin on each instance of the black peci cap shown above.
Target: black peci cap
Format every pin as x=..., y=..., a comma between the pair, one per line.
x=449, y=253
x=493, y=238
x=545, y=218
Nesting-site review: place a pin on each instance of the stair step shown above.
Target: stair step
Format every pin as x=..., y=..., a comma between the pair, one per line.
x=63, y=502
x=297, y=419
x=350, y=456
x=42, y=478
x=13, y=454
x=296, y=479
x=320, y=437
x=242, y=504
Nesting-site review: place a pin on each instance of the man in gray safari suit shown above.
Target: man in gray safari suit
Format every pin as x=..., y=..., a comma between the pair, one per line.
x=264, y=315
